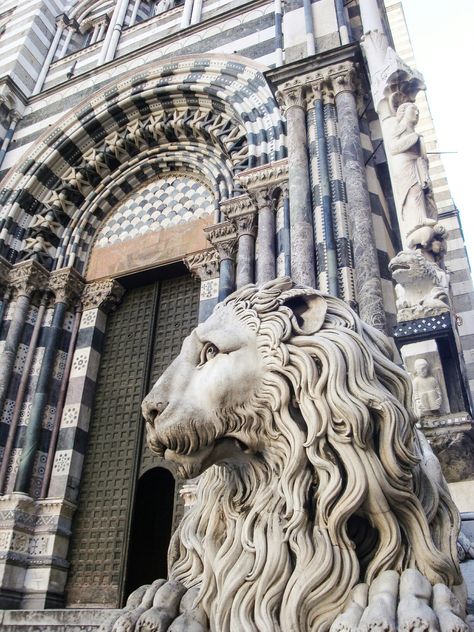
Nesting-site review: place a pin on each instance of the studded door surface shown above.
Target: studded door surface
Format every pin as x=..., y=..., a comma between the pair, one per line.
x=100, y=528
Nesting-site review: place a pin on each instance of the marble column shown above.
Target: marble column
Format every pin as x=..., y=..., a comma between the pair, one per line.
x=246, y=230
x=61, y=22
x=241, y=212
x=292, y=101
x=266, y=261
x=367, y=275
x=26, y=278
x=224, y=238
x=320, y=167
x=204, y=265
x=187, y=12
x=66, y=285
x=20, y=394
x=15, y=117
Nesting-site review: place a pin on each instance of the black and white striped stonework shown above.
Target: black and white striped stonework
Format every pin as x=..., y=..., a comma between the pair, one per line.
x=238, y=91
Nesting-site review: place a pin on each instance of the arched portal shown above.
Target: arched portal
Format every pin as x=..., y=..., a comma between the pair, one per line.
x=151, y=528
x=70, y=232
x=216, y=115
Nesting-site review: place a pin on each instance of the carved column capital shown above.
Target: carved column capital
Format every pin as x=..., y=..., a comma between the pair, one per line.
x=62, y=20
x=290, y=96
x=264, y=198
x=104, y=295
x=343, y=79
x=66, y=285
x=28, y=277
x=203, y=265
x=246, y=224
x=234, y=207
x=223, y=237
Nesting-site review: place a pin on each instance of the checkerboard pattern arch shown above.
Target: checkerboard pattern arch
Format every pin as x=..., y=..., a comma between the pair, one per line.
x=221, y=104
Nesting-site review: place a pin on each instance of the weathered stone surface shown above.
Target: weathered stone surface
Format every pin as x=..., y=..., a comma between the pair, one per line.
x=87, y=620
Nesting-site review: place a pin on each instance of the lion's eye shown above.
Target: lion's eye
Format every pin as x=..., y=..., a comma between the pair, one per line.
x=208, y=352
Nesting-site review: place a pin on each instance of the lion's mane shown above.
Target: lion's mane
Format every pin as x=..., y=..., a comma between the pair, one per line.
x=344, y=491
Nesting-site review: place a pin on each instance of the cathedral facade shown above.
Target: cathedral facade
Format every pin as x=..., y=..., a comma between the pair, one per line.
x=155, y=155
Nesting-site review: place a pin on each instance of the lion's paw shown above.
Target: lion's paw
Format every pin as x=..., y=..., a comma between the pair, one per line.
x=448, y=610
x=165, y=608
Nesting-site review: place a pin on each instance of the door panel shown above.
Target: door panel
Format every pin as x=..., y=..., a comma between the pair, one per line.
x=101, y=526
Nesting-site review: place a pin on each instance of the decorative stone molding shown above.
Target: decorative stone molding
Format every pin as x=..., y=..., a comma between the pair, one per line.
x=104, y=295
x=66, y=285
x=223, y=237
x=266, y=177
x=236, y=206
x=28, y=277
x=204, y=264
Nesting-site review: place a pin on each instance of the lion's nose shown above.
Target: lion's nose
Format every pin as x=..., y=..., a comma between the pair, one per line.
x=151, y=409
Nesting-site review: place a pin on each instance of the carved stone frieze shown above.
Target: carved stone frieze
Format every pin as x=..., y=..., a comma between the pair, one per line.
x=236, y=206
x=266, y=177
x=28, y=277
x=104, y=295
x=203, y=264
x=67, y=285
x=223, y=237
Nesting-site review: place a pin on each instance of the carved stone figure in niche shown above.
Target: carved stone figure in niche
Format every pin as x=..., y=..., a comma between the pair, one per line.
x=412, y=184
x=427, y=395
x=290, y=410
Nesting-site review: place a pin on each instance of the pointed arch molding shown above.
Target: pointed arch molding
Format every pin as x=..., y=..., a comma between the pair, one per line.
x=215, y=116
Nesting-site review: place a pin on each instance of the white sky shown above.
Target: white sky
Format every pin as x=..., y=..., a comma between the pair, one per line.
x=442, y=36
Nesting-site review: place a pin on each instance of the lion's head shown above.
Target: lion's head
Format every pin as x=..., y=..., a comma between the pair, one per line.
x=320, y=481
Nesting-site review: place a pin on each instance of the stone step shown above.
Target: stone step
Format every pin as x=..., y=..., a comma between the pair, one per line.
x=72, y=620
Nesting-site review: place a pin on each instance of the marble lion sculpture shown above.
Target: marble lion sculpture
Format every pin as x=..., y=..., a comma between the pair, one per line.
x=319, y=505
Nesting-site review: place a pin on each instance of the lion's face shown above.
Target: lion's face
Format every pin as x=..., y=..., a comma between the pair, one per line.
x=218, y=370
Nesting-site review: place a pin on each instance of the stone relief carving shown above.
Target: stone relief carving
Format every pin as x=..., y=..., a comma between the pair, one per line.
x=274, y=401
x=427, y=395
x=422, y=287
x=412, y=184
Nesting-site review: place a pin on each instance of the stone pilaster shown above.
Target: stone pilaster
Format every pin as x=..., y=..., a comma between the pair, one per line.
x=367, y=276
x=291, y=98
x=204, y=265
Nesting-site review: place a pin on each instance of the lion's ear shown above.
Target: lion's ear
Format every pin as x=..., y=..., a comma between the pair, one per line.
x=309, y=312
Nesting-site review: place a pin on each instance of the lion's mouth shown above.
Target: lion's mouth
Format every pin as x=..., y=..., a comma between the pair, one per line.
x=397, y=267
x=192, y=457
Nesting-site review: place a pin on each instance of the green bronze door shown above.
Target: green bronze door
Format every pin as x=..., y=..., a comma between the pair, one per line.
x=119, y=473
